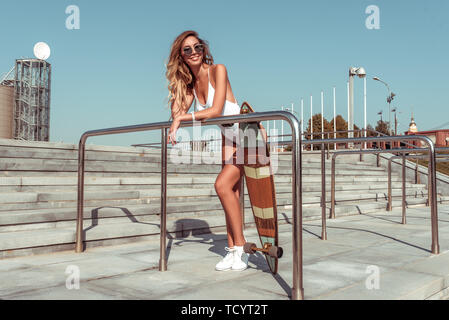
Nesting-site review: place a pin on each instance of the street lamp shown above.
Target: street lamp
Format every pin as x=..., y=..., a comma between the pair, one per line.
x=395, y=121
x=361, y=73
x=390, y=98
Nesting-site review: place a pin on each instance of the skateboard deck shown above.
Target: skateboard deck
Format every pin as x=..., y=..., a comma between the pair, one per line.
x=260, y=185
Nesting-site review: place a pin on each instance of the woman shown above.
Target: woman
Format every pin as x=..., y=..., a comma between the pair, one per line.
x=192, y=74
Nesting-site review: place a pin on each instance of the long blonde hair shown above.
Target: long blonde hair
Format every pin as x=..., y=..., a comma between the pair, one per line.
x=180, y=78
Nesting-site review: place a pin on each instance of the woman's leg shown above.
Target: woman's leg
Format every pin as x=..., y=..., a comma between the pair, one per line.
x=227, y=187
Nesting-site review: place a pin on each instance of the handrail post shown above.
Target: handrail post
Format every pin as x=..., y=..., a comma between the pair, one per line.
x=242, y=201
x=323, y=194
x=297, y=245
x=332, y=215
x=434, y=208
x=163, y=233
x=403, y=190
x=389, y=205
x=416, y=173
x=429, y=182
x=79, y=246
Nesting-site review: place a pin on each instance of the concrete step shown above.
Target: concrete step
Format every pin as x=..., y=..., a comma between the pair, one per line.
x=307, y=186
x=206, y=191
x=29, y=219
x=155, y=179
x=93, y=183
x=106, y=231
x=52, y=165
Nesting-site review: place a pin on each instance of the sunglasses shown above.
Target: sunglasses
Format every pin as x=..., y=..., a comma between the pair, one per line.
x=188, y=51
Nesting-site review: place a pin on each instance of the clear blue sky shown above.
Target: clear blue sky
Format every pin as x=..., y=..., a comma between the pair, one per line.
x=111, y=71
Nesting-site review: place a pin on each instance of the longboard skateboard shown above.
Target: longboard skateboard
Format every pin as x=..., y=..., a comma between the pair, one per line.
x=260, y=184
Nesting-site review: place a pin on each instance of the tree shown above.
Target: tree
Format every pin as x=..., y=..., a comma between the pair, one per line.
x=342, y=125
x=382, y=127
x=317, y=129
x=370, y=131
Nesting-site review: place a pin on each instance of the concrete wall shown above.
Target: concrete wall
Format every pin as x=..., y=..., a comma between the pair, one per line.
x=6, y=111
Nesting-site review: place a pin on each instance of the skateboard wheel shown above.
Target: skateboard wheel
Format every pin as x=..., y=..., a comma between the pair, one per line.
x=275, y=252
x=249, y=247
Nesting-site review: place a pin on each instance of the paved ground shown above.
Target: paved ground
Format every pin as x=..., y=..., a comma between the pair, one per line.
x=370, y=256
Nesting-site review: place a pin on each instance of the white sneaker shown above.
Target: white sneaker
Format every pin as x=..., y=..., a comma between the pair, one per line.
x=240, y=259
x=227, y=262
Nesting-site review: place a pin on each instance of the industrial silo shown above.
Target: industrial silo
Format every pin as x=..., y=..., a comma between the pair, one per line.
x=6, y=110
x=31, y=116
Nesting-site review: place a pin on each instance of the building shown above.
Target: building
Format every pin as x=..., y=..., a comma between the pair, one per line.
x=32, y=100
x=25, y=101
x=439, y=137
x=6, y=109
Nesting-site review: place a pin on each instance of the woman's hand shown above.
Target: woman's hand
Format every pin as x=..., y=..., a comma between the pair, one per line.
x=172, y=131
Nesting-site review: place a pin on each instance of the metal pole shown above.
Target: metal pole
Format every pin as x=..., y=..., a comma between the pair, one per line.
x=302, y=120
x=389, y=117
x=390, y=205
x=322, y=115
x=282, y=129
x=335, y=120
x=429, y=184
x=297, y=245
x=332, y=216
x=242, y=200
x=434, y=208
x=347, y=96
x=417, y=173
x=268, y=131
x=364, y=106
x=311, y=121
x=163, y=235
x=79, y=246
x=323, y=195
x=403, y=190
x=351, y=107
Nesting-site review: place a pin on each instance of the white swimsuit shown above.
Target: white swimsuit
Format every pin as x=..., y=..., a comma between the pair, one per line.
x=229, y=108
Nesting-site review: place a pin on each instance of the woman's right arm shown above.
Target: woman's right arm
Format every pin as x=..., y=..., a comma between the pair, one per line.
x=177, y=116
x=181, y=111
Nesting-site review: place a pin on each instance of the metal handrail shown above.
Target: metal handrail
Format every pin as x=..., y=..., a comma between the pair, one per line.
x=404, y=167
x=297, y=241
x=423, y=157
x=432, y=174
x=323, y=169
x=332, y=214
x=377, y=152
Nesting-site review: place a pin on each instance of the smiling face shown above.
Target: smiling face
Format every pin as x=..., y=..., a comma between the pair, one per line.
x=189, y=53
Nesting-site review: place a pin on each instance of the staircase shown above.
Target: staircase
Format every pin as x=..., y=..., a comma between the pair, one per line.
x=38, y=193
